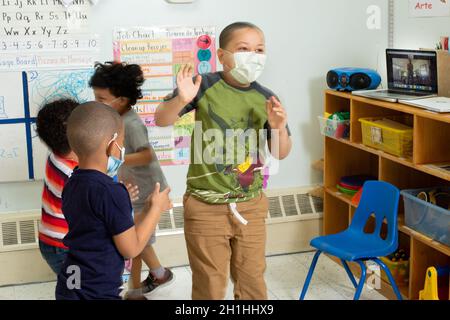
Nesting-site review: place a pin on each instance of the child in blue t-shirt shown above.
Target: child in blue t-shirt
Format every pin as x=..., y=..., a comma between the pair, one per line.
x=119, y=86
x=102, y=233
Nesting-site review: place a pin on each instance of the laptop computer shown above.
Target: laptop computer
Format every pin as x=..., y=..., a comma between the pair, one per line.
x=412, y=74
x=437, y=104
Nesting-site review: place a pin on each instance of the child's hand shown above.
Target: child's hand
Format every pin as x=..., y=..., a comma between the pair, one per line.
x=187, y=89
x=276, y=114
x=159, y=200
x=133, y=191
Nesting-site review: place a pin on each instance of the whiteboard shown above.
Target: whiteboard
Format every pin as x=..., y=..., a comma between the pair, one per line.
x=13, y=152
x=47, y=86
x=11, y=96
x=22, y=154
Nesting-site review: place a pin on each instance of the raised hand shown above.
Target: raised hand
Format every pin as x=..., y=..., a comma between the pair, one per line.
x=187, y=88
x=276, y=114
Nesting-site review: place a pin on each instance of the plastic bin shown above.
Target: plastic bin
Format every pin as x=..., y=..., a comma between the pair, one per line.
x=426, y=218
x=389, y=134
x=399, y=270
x=334, y=128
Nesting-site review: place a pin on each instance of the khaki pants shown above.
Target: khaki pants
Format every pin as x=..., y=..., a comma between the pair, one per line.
x=218, y=243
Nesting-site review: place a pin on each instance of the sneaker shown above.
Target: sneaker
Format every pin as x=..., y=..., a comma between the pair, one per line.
x=151, y=284
x=134, y=294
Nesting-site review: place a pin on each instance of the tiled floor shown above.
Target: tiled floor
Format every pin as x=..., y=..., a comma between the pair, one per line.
x=285, y=276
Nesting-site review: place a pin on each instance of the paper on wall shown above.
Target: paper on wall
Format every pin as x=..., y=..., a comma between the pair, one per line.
x=161, y=51
x=46, y=34
x=429, y=8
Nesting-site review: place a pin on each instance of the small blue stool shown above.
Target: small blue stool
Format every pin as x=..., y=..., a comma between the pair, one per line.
x=381, y=200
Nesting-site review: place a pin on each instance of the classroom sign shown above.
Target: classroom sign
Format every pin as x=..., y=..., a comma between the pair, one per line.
x=429, y=8
x=161, y=51
x=46, y=34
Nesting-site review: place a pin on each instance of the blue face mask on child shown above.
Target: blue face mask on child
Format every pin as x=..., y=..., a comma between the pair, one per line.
x=113, y=163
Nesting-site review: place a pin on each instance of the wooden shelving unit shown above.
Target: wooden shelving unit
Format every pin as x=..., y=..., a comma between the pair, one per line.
x=345, y=157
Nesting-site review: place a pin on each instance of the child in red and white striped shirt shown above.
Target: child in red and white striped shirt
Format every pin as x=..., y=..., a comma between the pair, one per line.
x=51, y=128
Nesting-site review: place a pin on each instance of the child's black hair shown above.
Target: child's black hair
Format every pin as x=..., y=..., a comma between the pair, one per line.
x=123, y=80
x=90, y=125
x=51, y=125
x=227, y=33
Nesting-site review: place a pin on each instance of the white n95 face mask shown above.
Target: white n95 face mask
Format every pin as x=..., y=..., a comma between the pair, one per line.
x=248, y=66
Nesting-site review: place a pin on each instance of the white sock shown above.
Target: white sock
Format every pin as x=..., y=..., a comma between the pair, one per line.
x=159, y=272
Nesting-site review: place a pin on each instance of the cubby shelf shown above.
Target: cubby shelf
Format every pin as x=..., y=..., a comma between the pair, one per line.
x=396, y=107
x=343, y=197
x=426, y=240
x=426, y=168
x=431, y=146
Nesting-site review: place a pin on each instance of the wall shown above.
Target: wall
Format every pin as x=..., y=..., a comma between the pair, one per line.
x=414, y=33
x=304, y=38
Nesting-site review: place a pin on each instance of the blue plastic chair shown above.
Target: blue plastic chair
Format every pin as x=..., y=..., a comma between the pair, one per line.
x=380, y=199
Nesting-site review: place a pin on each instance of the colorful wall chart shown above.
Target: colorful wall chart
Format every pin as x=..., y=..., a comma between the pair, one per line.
x=161, y=51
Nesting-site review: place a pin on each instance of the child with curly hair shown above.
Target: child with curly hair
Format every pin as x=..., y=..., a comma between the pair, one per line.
x=51, y=127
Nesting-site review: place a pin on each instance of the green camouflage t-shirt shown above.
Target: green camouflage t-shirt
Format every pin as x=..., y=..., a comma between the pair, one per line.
x=228, y=142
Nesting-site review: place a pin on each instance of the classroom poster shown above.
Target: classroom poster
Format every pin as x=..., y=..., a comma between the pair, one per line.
x=429, y=8
x=161, y=51
x=46, y=34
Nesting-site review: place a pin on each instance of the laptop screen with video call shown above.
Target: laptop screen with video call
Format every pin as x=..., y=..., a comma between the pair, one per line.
x=412, y=71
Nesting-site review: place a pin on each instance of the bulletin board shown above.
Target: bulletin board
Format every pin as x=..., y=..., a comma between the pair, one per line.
x=161, y=51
